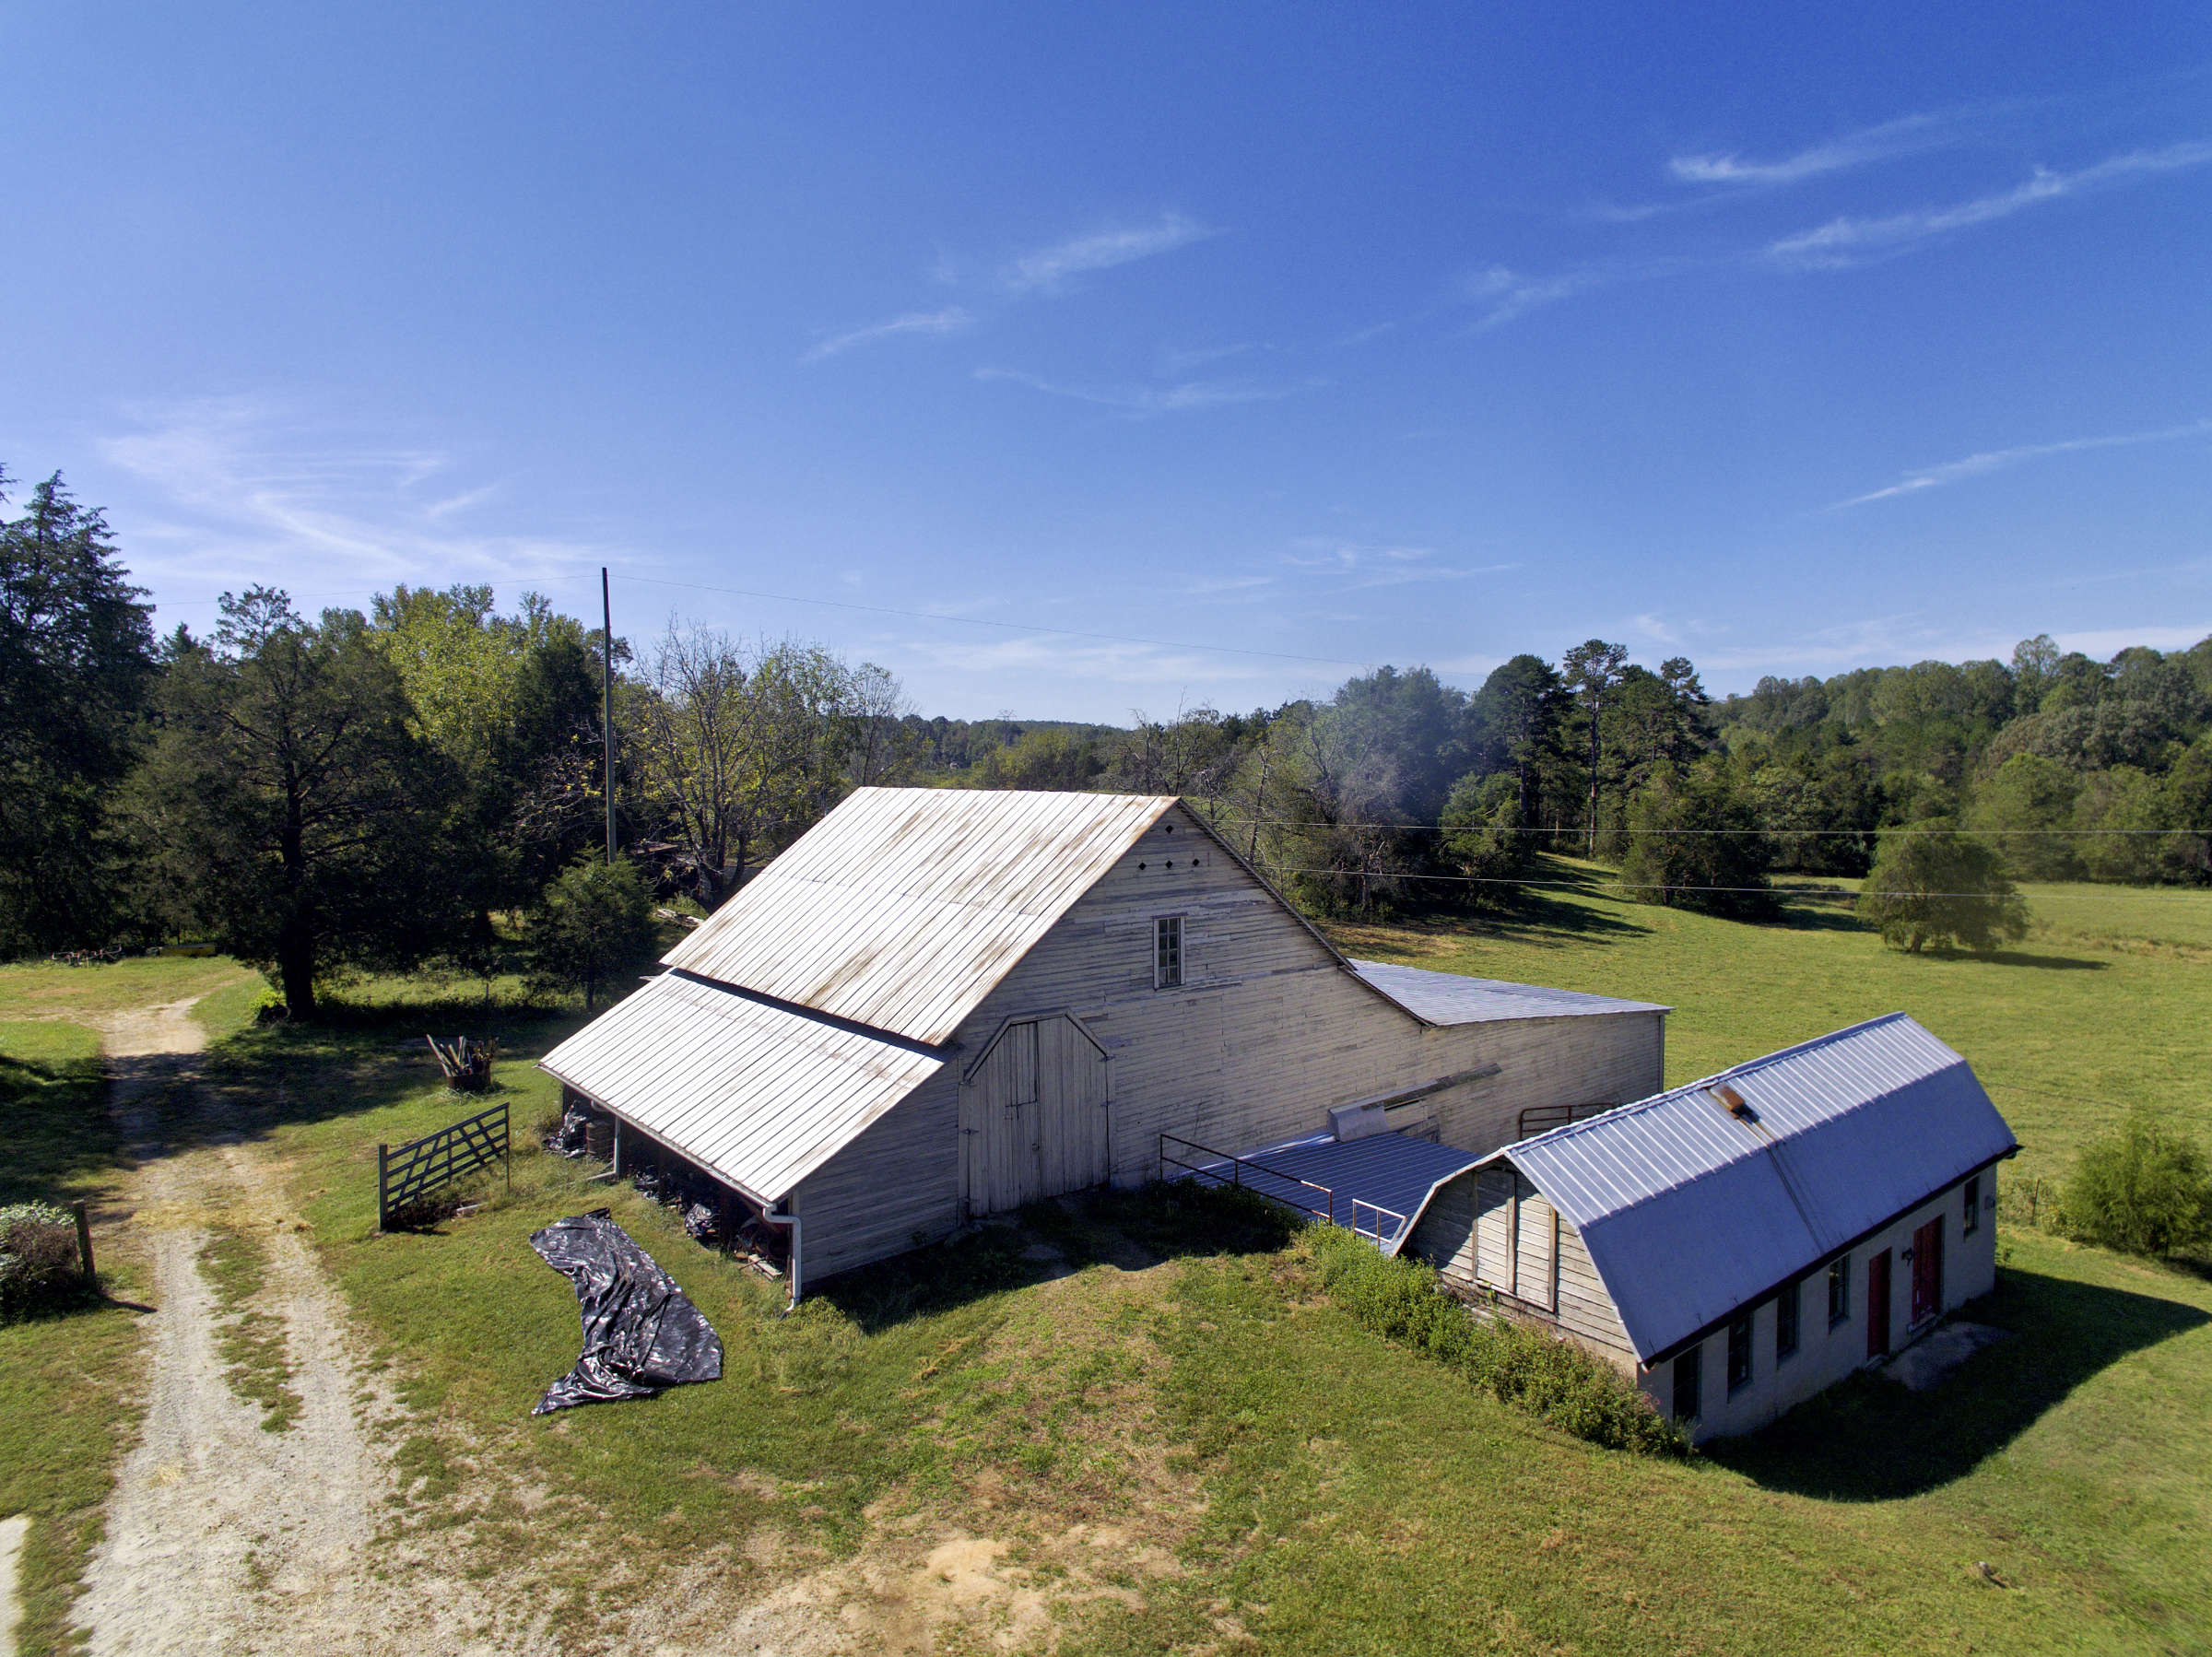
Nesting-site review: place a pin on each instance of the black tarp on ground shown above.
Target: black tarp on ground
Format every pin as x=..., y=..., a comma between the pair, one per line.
x=639, y=1332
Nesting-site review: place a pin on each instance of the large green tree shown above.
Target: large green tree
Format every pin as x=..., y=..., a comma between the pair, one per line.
x=290, y=807
x=1931, y=887
x=77, y=663
x=594, y=925
x=1696, y=842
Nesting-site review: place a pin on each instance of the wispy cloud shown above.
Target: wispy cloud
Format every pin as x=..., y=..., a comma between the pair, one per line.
x=1910, y=135
x=952, y=319
x=1505, y=295
x=1142, y=401
x=1047, y=268
x=1997, y=460
x=1365, y=566
x=237, y=490
x=1845, y=241
x=1067, y=660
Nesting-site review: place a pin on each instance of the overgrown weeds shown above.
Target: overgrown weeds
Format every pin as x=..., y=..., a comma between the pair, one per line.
x=1556, y=1383
x=41, y=1269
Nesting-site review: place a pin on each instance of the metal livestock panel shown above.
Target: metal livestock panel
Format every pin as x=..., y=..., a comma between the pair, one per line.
x=904, y=906
x=1689, y=1210
x=761, y=1095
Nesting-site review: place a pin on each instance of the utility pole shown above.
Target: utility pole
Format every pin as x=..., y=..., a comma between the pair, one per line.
x=606, y=700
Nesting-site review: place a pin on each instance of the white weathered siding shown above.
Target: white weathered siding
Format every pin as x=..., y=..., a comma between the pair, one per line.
x=894, y=1188
x=1468, y=1233
x=1267, y=1033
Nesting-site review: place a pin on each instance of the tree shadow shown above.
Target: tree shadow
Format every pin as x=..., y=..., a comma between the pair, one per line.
x=1130, y=1230
x=1869, y=1440
x=2050, y=963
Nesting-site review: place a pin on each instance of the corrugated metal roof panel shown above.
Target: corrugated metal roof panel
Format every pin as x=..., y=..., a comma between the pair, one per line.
x=904, y=907
x=761, y=1095
x=1389, y=1171
x=1450, y=998
x=1688, y=1211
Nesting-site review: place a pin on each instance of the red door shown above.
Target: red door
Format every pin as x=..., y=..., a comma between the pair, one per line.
x=1878, y=1304
x=1927, y=1270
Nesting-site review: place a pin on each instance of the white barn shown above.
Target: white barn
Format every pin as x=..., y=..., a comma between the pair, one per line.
x=1739, y=1244
x=942, y=1003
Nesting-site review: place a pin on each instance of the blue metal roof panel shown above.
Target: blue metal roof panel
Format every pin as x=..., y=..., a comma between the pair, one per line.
x=1452, y=998
x=1388, y=1170
x=1688, y=1211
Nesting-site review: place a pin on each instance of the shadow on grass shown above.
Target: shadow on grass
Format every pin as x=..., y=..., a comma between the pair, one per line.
x=2053, y=963
x=1869, y=1440
x=1128, y=1229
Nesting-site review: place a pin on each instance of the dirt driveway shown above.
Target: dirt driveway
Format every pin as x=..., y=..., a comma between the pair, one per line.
x=222, y=1536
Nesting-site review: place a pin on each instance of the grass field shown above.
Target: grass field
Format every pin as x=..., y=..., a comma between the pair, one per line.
x=2106, y=1006
x=1146, y=1426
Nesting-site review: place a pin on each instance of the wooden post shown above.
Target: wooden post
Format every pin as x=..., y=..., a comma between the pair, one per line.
x=507, y=1148
x=382, y=1155
x=83, y=1240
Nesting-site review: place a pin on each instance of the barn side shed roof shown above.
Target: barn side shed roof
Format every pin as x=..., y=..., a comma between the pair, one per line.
x=1689, y=1211
x=1450, y=998
x=761, y=1095
x=904, y=907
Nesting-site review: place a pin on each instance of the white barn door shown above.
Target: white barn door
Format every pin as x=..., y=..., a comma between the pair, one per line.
x=1033, y=1113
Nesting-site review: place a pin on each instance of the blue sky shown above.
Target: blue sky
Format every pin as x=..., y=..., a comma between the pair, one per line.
x=1314, y=337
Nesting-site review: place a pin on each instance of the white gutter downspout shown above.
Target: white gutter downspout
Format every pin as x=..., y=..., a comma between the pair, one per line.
x=792, y=1221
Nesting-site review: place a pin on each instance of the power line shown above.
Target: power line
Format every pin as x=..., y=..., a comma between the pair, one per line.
x=1580, y=833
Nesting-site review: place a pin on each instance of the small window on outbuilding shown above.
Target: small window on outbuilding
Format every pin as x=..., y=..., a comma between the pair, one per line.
x=1740, y=1351
x=1166, y=953
x=1690, y=1372
x=1970, y=1221
x=1786, y=1305
x=1839, y=1290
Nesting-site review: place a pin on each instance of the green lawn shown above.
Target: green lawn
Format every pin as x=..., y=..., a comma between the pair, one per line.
x=1182, y=1445
x=2106, y=1006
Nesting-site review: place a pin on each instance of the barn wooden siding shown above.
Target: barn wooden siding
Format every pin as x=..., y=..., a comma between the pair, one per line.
x=1490, y=1232
x=1267, y=1032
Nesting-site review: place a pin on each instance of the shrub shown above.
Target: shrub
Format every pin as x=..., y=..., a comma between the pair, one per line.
x=2144, y=1191
x=1550, y=1379
x=1694, y=843
x=39, y=1261
x=1931, y=886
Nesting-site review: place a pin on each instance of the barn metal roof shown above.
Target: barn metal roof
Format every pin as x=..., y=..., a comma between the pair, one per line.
x=1389, y=1171
x=761, y=1095
x=1449, y=998
x=1691, y=1212
x=905, y=907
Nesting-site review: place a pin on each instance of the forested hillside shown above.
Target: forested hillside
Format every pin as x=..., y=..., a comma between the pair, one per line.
x=424, y=784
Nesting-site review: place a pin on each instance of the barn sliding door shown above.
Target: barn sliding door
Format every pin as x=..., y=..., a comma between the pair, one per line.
x=1033, y=1116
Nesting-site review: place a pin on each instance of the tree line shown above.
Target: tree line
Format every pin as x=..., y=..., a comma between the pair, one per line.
x=424, y=782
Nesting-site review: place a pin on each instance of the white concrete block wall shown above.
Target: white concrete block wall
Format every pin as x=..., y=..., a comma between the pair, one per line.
x=1825, y=1352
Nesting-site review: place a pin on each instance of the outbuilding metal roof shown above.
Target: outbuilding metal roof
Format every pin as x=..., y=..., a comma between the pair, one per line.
x=1449, y=998
x=1691, y=1212
x=761, y=1095
x=1376, y=1184
x=904, y=907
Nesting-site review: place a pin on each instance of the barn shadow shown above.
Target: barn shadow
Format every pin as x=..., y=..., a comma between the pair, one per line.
x=1870, y=1439
x=1131, y=1230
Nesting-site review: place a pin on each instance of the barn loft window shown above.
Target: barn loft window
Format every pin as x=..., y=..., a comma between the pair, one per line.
x=1785, y=1318
x=1970, y=1221
x=1839, y=1289
x=1690, y=1370
x=1166, y=953
x=1740, y=1351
